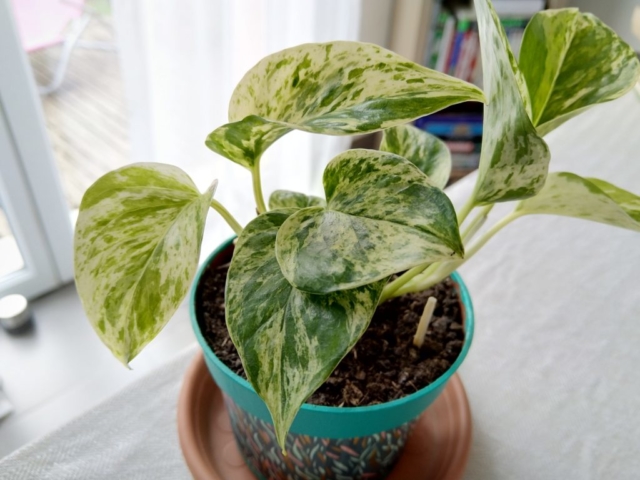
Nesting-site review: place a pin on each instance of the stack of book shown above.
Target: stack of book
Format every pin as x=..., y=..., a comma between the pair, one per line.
x=454, y=48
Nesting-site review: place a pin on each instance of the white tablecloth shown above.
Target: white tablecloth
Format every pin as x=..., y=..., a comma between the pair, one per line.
x=552, y=375
x=130, y=436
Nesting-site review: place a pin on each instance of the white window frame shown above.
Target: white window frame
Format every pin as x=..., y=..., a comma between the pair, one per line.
x=29, y=183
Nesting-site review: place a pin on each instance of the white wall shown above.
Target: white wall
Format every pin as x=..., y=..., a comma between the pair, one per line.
x=375, y=21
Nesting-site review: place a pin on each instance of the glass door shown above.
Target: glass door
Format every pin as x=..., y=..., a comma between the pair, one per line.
x=26, y=264
x=35, y=229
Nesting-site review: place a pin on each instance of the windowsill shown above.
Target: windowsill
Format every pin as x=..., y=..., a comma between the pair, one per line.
x=60, y=369
x=10, y=258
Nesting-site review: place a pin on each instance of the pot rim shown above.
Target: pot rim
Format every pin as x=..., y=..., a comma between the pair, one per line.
x=468, y=325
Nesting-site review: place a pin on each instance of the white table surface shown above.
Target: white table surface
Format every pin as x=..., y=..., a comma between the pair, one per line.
x=552, y=375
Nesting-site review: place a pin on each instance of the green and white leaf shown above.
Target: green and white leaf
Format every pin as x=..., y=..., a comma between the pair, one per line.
x=425, y=151
x=570, y=195
x=336, y=88
x=137, y=244
x=289, y=199
x=383, y=216
x=245, y=141
x=572, y=61
x=514, y=160
x=289, y=341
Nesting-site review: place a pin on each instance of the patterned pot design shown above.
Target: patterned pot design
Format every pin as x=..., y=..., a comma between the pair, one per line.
x=324, y=442
x=371, y=457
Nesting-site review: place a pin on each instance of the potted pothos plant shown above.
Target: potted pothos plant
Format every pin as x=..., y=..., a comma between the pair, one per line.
x=307, y=275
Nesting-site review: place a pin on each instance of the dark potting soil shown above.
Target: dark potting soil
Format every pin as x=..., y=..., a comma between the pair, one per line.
x=384, y=365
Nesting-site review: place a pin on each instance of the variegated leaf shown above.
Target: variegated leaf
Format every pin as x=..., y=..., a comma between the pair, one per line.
x=137, y=244
x=425, y=151
x=289, y=199
x=289, y=341
x=514, y=159
x=569, y=195
x=571, y=61
x=383, y=216
x=336, y=88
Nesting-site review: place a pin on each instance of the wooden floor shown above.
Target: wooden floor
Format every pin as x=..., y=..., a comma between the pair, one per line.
x=86, y=117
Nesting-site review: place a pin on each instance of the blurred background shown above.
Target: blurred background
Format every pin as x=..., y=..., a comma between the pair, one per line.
x=90, y=86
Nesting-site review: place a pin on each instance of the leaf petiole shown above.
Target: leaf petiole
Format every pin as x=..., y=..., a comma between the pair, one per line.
x=402, y=280
x=477, y=223
x=224, y=213
x=395, y=288
x=490, y=233
x=257, y=188
x=439, y=271
x=466, y=210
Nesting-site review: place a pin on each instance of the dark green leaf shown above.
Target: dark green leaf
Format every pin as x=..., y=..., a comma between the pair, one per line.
x=383, y=216
x=289, y=341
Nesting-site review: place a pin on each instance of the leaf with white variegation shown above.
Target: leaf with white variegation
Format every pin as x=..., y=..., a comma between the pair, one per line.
x=592, y=199
x=289, y=199
x=137, y=245
x=336, y=88
x=383, y=216
x=571, y=61
x=514, y=160
x=425, y=151
x=289, y=341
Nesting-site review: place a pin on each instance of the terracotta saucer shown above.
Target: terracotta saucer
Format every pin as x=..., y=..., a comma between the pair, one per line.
x=438, y=448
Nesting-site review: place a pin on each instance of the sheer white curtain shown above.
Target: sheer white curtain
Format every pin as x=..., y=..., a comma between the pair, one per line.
x=180, y=63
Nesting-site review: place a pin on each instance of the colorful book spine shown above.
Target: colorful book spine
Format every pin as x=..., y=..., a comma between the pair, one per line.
x=468, y=54
x=446, y=45
x=463, y=26
x=436, y=41
x=454, y=48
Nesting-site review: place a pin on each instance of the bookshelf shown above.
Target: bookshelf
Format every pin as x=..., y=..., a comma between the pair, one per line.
x=453, y=47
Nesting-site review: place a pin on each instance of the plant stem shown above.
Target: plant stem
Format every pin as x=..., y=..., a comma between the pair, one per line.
x=391, y=287
x=224, y=213
x=257, y=188
x=490, y=233
x=465, y=210
x=445, y=269
x=476, y=223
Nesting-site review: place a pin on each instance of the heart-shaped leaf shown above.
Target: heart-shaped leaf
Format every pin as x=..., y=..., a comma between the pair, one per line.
x=425, y=151
x=571, y=61
x=289, y=341
x=137, y=244
x=514, y=160
x=289, y=199
x=336, y=88
x=570, y=195
x=383, y=216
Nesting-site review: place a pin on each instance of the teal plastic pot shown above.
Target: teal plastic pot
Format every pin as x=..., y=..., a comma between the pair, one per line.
x=324, y=442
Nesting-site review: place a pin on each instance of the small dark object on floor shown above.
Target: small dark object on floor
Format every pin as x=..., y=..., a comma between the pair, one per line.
x=383, y=366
